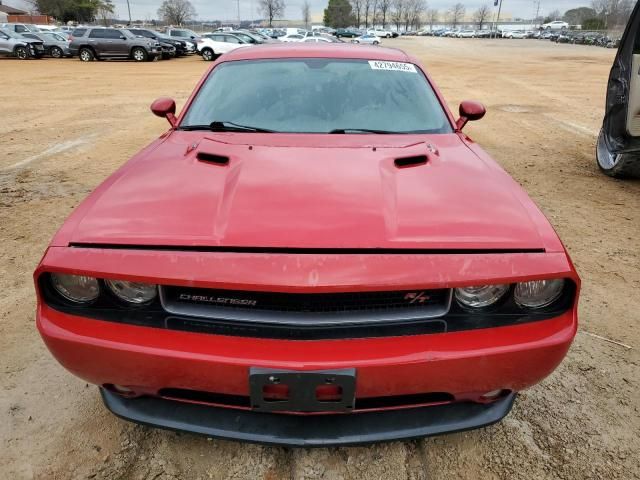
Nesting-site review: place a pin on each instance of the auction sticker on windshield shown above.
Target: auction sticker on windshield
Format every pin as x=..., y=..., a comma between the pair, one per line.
x=395, y=66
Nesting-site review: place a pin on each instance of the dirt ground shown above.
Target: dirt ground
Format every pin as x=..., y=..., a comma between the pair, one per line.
x=66, y=125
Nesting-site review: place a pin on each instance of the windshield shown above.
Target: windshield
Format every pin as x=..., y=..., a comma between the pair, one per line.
x=53, y=36
x=319, y=96
x=9, y=33
x=184, y=33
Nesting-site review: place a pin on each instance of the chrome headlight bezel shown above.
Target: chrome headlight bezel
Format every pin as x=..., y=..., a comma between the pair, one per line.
x=78, y=289
x=480, y=296
x=132, y=293
x=540, y=294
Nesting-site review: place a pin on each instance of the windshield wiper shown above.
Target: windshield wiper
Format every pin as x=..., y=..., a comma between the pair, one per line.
x=361, y=130
x=224, y=126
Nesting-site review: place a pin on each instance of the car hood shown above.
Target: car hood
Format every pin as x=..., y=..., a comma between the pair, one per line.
x=295, y=191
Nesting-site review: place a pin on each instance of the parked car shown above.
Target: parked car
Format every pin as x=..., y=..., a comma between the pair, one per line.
x=553, y=36
x=618, y=147
x=19, y=27
x=165, y=41
x=483, y=33
x=318, y=40
x=367, y=39
x=188, y=36
x=55, y=45
x=249, y=37
x=466, y=34
x=293, y=37
x=346, y=33
x=556, y=25
x=212, y=45
x=15, y=45
x=515, y=34
x=380, y=33
x=101, y=43
x=401, y=285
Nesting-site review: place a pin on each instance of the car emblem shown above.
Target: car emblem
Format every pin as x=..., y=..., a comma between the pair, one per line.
x=416, y=297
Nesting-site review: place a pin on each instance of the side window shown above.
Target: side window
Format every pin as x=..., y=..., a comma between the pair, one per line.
x=111, y=33
x=21, y=29
x=78, y=32
x=217, y=38
x=30, y=35
x=230, y=39
x=97, y=33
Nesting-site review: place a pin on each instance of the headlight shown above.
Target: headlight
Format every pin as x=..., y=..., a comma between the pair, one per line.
x=481, y=295
x=538, y=293
x=77, y=288
x=133, y=292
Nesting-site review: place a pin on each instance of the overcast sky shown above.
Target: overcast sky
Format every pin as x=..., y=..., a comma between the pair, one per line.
x=227, y=9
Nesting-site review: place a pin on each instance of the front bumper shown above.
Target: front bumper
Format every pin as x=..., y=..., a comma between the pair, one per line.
x=307, y=431
x=464, y=364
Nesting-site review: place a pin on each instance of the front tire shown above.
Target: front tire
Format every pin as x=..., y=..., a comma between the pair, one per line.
x=56, y=52
x=207, y=54
x=139, y=54
x=21, y=53
x=86, y=54
x=376, y=43
x=619, y=165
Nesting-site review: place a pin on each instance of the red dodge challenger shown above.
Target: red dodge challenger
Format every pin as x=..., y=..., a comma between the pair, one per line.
x=313, y=254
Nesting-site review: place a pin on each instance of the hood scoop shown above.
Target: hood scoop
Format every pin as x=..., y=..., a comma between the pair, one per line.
x=413, y=161
x=212, y=158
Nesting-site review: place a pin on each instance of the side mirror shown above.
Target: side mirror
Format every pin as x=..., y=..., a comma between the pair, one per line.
x=469, y=112
x=165, y=107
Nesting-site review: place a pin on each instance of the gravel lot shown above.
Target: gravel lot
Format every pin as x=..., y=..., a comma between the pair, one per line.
x=67, y=125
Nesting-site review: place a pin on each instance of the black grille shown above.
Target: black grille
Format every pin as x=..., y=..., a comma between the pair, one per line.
x=306, y=308
x=306, y=302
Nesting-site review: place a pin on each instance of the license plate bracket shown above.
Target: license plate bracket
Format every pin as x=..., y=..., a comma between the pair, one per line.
x=299, y=390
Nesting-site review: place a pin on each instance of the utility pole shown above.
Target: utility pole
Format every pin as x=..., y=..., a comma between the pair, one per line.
x=537, y=12
x=498, y=18
x=129, y=8
x=238, y=1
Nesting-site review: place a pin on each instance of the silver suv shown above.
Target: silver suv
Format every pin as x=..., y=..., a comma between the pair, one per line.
x=93, y=42
x=15, y=45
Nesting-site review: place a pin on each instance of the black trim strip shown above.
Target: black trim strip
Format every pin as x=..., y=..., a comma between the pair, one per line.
x=307, y=430
x=110, y=309
x=309, y=251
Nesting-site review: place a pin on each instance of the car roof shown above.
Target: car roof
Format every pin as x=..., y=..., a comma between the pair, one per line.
x=317, y=50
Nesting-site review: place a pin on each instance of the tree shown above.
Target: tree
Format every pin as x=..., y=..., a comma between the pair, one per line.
x=374, y=13
x=176, y=12
x=70, y=10
x=593, y=24
x=272, y=9
x=576, y=16
x=338, y=14
x=384, y=6
x=356, y=9
x=367, y=6
x=397, y=12
x=413, y=11
x=306, y=14
x=456, y=13
x=554, y=15
x=432, y=17
x=481, y=15
x=613, y=12
x=105, y=11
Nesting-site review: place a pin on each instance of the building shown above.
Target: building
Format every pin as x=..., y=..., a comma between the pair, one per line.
x=7, y=10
